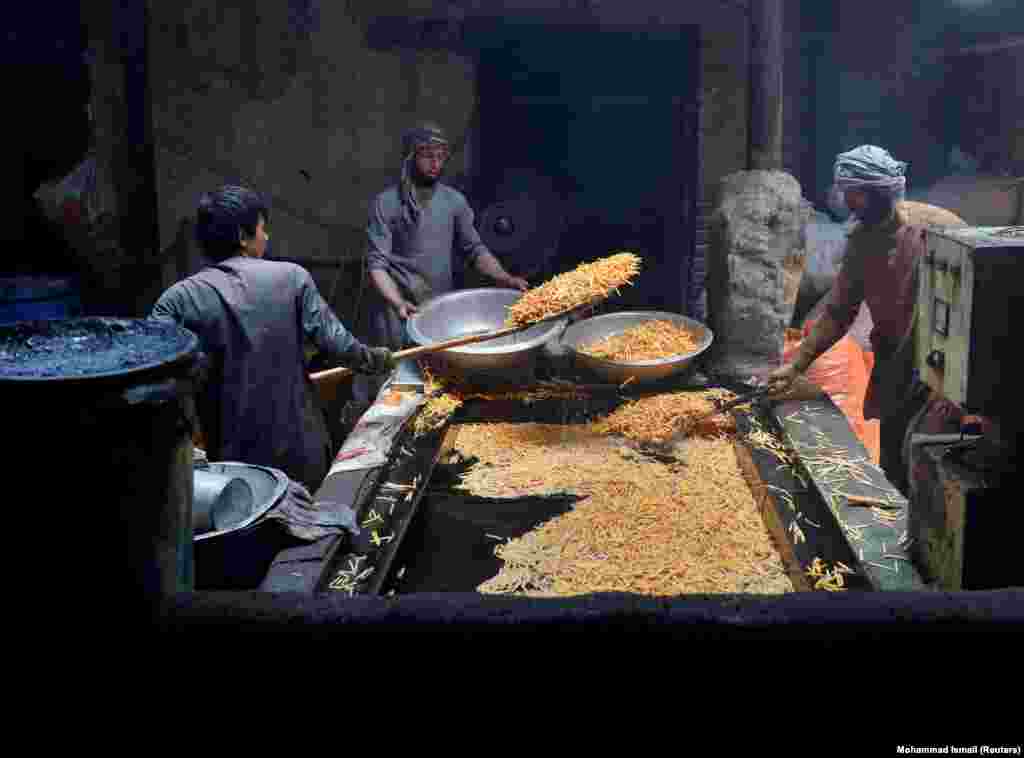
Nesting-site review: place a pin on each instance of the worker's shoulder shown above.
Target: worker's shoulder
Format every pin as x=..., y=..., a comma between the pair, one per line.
x=453, y=196
x=277, y=271
x=181, y=297
x=388, y=196
x=267, y=271
x=275, y=265
x=181, y=288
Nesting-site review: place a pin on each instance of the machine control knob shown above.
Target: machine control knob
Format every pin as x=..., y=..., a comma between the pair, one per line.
x=503, y=225
x=936, y=359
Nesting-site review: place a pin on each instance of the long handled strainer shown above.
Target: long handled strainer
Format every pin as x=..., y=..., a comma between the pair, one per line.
x=591, y=282
x=470, y=339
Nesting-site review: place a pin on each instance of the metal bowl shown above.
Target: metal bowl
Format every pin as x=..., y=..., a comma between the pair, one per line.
x=268, y=486
x=645, y=372
x=218, y=500
x=506, y=360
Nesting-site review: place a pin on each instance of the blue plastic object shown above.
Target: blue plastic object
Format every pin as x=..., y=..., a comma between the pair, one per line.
x=29, y=298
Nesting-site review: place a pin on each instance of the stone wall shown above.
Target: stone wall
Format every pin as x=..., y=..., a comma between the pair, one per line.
x=288, y=97
x=293, y=99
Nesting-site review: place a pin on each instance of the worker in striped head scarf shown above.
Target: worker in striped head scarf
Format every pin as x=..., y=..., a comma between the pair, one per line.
x=868, y=182
x=419, y=232
x=879, y=268
x=425, y=150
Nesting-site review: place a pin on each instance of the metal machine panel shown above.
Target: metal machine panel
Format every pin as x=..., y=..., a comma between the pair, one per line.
x=970, y=299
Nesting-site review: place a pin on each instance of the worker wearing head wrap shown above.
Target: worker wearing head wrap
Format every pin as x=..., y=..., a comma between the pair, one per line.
x=429, y=143
x=880, y=268
x=418, y=230
x=877, y=179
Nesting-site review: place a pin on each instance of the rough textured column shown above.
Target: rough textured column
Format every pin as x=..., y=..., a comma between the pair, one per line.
x=755, y=263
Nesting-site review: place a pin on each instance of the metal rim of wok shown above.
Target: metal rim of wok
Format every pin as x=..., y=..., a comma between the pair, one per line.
x=417, y=335
x=185, y=345
x=571, y=341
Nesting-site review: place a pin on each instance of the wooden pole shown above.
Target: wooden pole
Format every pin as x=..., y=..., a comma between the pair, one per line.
x=765, y=134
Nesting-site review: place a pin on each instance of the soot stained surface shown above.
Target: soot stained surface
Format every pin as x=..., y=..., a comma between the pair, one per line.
x=448, y=548
x=86, y=347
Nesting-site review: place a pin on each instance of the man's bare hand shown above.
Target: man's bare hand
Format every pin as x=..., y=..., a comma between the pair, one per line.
x=406, y=309
x=518, y=283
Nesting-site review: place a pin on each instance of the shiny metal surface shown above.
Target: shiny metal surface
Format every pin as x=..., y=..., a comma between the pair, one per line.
x=219, y=500
x=593, y=329
x=475, y=311
x=268, y=486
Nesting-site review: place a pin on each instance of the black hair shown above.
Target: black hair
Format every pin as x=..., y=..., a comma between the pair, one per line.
x=223, y=215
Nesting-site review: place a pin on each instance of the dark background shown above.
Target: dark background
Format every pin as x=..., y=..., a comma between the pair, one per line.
x=44, y=52
x=607, y=116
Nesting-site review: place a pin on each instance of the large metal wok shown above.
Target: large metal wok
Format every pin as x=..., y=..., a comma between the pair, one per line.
x=506, y=360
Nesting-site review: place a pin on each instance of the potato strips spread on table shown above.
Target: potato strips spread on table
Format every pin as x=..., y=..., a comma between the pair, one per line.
x=641, y=527
x=658, y=417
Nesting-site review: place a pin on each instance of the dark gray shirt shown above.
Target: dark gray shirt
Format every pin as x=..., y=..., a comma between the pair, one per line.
x=258, y=405
x=445, y=227
x=419, y=259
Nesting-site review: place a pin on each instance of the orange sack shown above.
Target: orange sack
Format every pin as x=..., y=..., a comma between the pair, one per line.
x=842, y=374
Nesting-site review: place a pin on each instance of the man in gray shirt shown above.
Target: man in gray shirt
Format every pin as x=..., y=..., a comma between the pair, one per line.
x=258, y=404
x=417, y=231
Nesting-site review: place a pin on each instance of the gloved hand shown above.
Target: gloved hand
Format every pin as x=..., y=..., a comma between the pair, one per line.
x=379, y=361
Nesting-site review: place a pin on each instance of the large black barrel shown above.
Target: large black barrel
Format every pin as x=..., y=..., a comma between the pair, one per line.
x=105, y=444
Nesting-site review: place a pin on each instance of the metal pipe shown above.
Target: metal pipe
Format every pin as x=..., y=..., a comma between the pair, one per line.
x=991, y=47
x=941, y=439
x=1020, y=201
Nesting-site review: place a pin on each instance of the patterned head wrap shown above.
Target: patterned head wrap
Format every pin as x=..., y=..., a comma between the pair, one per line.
x=870, y=168
x=412, y=140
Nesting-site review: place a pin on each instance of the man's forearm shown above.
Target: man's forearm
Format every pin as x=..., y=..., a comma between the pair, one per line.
x=488, y=265
x=386, y=286
x=826, y=333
